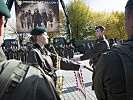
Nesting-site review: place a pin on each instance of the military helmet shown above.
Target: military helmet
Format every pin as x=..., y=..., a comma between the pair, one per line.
x=38, y=31
x=4, y=11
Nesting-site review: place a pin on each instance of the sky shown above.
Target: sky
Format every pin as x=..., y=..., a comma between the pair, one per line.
x=104, y=5
x=99, y=5
x=96, y=5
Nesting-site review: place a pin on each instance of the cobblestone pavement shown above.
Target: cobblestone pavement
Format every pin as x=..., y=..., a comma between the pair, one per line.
x=69, y=90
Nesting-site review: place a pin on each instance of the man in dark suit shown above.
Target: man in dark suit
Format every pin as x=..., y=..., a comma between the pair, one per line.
x=114, y=71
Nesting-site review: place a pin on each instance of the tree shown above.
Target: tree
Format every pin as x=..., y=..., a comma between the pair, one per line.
x=62, y=23
x=113, y=22
x=78, y=13
x=98, y=18
x=61, y=26
x=116, y=25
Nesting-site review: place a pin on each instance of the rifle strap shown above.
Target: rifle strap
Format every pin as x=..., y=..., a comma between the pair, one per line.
x=39, y=54
x=27, y=85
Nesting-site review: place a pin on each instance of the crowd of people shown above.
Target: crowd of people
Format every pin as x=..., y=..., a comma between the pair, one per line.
x=21, y=53
x=35, y=78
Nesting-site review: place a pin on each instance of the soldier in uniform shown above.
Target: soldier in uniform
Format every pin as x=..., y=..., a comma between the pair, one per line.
x=40, y=56
x=101, y=45
x=44, y=18
x=11, y=52
x=19, y=81
x=22, y=54
x=50, y=18
x=37, y=18
x=3, y=13
x=29, y=19
x=114, y=71
x=23, y=19
x=112, y=43
x=71, y=51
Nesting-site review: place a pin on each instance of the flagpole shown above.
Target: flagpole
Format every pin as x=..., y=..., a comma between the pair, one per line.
x=67, y=20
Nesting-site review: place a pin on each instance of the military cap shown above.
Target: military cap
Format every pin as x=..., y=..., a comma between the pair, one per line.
x=129, y=2
x=38, y=31
x=100, y=27
x=4, y=11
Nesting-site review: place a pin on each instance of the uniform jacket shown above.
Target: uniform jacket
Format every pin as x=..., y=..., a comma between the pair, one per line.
x=33, y=84
x=101, y=45
x=51, y=49
x=34, y=60
x=110, y=81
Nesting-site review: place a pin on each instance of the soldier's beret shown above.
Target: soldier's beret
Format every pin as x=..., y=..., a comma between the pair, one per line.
x=129, y=2
x=100, y=27
x=4, y=11
x=38, y=31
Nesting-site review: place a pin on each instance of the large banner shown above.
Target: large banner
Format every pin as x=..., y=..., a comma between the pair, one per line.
x=37, y=13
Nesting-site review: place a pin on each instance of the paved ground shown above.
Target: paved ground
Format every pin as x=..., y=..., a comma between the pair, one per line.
x=69, y=90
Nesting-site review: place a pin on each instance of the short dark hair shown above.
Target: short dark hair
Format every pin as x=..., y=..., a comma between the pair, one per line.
x=129, y=3
x=129, y=7
x=100, y=27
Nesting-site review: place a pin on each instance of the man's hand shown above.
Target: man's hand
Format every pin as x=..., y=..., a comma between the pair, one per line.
x=58, y=73
x=74, y=62
x=76, y=59
x=82, y=66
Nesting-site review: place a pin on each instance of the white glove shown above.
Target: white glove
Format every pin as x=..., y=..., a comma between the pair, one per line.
x=58, y=73
x=82, y=66
x=76, y=59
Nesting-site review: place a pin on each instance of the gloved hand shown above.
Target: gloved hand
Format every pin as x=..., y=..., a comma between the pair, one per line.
x=82, y=66
x=76, y=59
x=58, y=73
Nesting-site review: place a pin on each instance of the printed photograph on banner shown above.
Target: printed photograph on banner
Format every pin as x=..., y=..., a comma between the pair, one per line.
x=37, y=13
